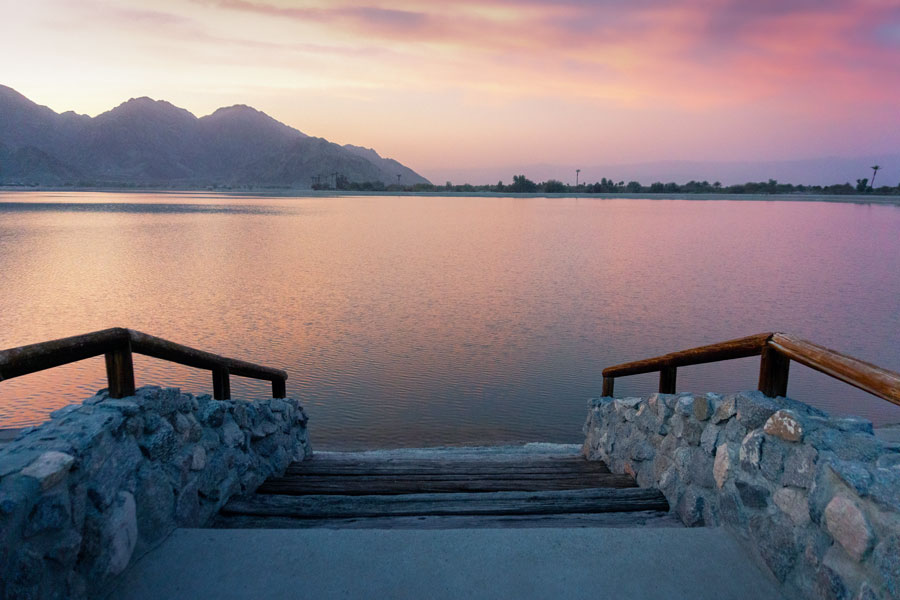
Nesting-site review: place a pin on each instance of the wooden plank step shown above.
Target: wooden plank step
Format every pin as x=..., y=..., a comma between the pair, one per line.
x=644, y=518
x=387, y=456
x=413, y=484
x=444, y=476
x=346, y=467
x=596, y=500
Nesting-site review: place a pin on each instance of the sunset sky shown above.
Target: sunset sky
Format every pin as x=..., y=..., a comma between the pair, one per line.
x=490, y=83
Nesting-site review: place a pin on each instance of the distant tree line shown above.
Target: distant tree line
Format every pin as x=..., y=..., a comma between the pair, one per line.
x=522, y=185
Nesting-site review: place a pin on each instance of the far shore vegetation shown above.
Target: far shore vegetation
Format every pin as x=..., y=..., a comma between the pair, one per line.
x=520, y=185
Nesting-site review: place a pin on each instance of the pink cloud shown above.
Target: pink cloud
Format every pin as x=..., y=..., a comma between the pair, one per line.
x=509, y=73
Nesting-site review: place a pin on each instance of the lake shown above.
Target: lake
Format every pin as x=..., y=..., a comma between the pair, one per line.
x=424, y=321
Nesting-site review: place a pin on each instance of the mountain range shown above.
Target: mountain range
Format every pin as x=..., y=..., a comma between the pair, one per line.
x=154, y=143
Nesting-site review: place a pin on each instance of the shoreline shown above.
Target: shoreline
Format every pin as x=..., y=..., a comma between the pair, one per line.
x=306, y=193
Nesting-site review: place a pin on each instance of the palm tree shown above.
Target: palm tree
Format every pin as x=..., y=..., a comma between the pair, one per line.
x=874, y=172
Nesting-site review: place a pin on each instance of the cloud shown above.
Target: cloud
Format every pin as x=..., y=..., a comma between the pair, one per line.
x=695, y=68
x=386, y=20
x=696, y=53
x=138, y=17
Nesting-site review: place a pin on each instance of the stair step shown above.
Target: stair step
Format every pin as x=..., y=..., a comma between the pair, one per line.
x=349, y=467
x=417, y=483
x=583, y=501
x=502, y=487
x=640, y=518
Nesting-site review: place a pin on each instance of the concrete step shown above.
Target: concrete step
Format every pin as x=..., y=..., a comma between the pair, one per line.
x=634, y=563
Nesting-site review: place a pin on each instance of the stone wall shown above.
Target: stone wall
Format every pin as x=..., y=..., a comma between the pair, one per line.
x=815, y=498
x=101, y=483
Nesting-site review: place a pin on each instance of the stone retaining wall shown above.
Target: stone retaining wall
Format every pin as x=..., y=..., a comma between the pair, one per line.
x=816, y=498
x=101, y=483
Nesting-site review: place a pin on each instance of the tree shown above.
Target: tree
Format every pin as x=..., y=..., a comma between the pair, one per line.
x=554, y=187
x=522, y=185
x=862, y=185
x=875, y=169
x=633, y=187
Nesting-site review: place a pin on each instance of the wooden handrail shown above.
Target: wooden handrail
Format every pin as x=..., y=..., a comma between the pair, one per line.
x=746, y=346
x=777, y=351
x=118, y=344
x=863, y=375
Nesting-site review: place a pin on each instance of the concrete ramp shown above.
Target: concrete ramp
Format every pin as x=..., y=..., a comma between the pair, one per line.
x=590, y=563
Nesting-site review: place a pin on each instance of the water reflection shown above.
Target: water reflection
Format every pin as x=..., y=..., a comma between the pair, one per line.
x=422, y=321
x=107, y=207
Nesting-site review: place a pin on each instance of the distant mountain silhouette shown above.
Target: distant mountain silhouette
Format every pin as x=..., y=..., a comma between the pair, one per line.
x=152, y=142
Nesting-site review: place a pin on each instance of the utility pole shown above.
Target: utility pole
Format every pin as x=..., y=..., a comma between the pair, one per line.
x=577, y=173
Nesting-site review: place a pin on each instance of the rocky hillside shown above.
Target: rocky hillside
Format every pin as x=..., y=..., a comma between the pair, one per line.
x=152, y=142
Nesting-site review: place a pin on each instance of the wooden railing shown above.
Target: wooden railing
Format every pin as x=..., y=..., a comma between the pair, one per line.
x=777, y=351
x=118, y=344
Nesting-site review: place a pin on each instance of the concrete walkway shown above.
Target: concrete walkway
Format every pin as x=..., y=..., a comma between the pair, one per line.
x=595, y=563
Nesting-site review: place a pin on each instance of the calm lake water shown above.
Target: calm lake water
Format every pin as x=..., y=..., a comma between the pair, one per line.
x=423, y=321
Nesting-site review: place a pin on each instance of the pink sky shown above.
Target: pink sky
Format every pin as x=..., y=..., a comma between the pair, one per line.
x=490, y=83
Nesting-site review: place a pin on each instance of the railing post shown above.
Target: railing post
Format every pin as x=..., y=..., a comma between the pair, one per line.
x=773, y=373
x=120, y=370
x=667, y=380
x=221, y=383
x=608, y=384
x=279, y=388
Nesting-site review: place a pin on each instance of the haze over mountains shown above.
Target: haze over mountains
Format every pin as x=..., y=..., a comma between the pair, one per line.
x=152, y=142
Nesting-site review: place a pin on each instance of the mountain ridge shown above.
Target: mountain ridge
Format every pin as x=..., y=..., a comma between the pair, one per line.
x=144, y=141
